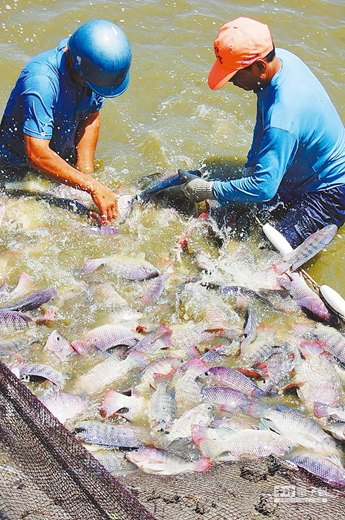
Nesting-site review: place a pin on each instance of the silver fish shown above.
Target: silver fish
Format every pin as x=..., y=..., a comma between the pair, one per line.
x=111, y=371
x=63, y=405
x=59, y=346
x=328, y=469
x=109, y=336
x=309, y=248
x=226, y=376
x=305, y=297
x=29, y=372
x=31, y=301
x=228, y=399
x=131, y=407
x=124, y=267
x=299, y=430
x=182, y=426
x=227, y=445
x=162, y=407
x=11, y=321
x=108, y=434
x=161, y=462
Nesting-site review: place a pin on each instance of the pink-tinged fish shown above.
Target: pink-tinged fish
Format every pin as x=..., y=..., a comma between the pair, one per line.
x=124, y=267
x=260, y=348
x=327, y=469
x=111, y=371
x=187, y=388
x=316, y=380
x=223, y=444
x=163, y=366
x=12, y=321
x=38, y=372
x=109, y=336
x=275, y=370
x=181, y=428
x=305, y=297
x=105, y=434
x=228, y=399
x=161, y=462
x=114, y=461
x=298, y=430
x=105, y=230
x=324, y=410
x=131, y=407
x=162, y=406
x=225, y=376
x=64, y=406
x=154, y=341
x=154, y=289
x=309, y=248
x=24, y=285
x=31, y=301
x=330, y=339
x=59, y=346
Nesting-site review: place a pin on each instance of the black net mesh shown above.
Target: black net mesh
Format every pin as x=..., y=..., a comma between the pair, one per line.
x=46, y=474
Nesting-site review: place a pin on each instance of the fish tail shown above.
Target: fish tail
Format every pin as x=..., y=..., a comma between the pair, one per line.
x=203, y=464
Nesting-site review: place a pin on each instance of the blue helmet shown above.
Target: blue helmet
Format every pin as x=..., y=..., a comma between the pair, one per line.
x=102, y=56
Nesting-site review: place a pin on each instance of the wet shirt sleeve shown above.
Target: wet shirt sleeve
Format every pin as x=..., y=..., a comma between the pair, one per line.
x=38, y=107
x=277, y=151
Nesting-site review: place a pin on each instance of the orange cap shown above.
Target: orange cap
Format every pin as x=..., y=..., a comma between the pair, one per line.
x=239, y=43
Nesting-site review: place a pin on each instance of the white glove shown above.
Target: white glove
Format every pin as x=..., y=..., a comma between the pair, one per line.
x=195, y=188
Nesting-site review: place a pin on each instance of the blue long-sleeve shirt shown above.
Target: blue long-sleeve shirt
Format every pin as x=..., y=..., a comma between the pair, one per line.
x=45, y=103
x=298, y=142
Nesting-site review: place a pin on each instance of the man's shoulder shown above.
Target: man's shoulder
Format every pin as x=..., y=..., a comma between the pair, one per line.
x=49, y=62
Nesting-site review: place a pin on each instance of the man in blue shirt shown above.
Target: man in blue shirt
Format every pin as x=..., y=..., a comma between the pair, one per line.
x=51, y=120
x=298, y=148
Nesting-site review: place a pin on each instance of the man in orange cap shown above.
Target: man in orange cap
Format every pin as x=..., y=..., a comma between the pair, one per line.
x=298, y=149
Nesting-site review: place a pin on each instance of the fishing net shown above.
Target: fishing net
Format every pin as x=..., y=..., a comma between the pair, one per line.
x=47, y=474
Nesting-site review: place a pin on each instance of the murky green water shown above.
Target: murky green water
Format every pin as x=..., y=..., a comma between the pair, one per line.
x=167, y=119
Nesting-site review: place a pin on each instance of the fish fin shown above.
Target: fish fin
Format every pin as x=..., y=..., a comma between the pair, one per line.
x=249, y=372
x=320, y=409
x=198, y=433
x=262, y=368
x=203, y=464
x=79, y=347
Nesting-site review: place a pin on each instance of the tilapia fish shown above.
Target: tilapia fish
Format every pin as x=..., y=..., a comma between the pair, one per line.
x=226, y=445
x=108, y=434
x=309, y=248
x=31, y=301
x=11, y=321
x=305, y=297
x=63, y=405
x=111, y=371
x=153, y=460
x=170, y=182
x=124, y=266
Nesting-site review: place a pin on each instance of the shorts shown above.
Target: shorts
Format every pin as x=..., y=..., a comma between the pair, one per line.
x=311, y=212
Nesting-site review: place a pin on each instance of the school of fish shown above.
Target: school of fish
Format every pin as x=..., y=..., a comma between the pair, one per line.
x=209, y=355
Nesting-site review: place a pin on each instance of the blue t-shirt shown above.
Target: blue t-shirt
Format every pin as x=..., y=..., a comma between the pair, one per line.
x=298, y=142
x=45, y=103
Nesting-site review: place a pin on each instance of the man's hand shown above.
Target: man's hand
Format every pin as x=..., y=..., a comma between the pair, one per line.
x=196, y=189
x=106, y=201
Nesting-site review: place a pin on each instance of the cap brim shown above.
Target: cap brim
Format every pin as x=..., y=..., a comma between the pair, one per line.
x=218, y=76
x=109, y=92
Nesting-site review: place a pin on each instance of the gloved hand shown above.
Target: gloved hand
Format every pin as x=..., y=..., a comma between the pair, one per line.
x=195, y=188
